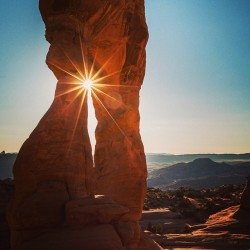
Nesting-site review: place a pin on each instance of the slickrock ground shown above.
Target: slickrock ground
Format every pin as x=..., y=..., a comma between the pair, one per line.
x=228, y=229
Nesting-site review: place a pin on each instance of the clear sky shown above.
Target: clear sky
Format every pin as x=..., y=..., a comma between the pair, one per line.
x=196, y=93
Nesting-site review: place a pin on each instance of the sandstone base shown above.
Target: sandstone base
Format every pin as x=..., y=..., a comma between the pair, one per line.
x=91, y=223
x=102, y=237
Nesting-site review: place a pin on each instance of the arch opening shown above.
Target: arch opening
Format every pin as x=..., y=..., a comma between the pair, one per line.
x=92, y=123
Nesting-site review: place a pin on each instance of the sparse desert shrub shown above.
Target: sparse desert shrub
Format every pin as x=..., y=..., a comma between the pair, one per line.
x=157, y=229
x=149, y=226
x=179, y=193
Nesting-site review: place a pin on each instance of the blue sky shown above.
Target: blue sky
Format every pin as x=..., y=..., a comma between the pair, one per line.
x=196, y=93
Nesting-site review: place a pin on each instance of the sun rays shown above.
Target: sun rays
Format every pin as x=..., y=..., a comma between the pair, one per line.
x=87, y=80
x=87, y=84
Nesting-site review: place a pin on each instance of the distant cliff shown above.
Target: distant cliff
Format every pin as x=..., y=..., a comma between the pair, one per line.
x=199, y=174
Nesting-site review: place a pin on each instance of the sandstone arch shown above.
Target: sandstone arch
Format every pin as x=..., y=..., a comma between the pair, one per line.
x=54, y=176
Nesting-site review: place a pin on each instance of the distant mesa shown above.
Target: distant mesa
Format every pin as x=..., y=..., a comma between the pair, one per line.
x=198, y=174
x=172, y=159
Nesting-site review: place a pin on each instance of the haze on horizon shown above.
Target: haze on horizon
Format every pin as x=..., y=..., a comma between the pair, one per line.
x=196, y=93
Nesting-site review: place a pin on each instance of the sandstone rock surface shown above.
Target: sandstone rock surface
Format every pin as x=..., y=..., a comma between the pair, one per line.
x=120, y=163
x=245, y=197
x=106, y=41
x=224, y=230
x=89, y=211
x=88, y=238
x=54, y=207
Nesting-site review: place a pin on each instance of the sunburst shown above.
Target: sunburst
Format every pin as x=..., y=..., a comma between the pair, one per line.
x=87, y=84
x=90, y=79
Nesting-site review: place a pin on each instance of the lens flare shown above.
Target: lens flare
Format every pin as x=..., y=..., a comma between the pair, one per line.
x=87, y=84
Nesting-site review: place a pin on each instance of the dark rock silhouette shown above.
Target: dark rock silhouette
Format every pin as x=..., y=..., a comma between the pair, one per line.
x=245, y=197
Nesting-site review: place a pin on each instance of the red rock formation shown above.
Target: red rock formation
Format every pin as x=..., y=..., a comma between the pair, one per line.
x=245, y=197
x=227, y=229
x=114, y=36
x=103, y=42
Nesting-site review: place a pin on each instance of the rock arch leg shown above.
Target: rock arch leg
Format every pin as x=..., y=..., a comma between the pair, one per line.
x=119, y=155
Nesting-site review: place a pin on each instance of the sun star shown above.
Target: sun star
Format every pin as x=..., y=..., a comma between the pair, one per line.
x=87, y=84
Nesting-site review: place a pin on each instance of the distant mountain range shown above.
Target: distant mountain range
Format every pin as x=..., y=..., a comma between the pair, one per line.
x=200, y=173
x=173, y=171
x=169, y=159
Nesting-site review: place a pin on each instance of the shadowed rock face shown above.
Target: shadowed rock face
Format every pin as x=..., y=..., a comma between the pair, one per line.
x=102, y=41
x=245, y=197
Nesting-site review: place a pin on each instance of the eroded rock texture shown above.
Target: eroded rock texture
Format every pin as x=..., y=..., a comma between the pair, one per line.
x=54, y=206
x=119, y=155
x=245, y=197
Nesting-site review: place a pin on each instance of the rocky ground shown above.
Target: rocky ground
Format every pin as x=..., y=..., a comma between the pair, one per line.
x=197, y=205
x=179, y=219
x=227, y=229
x=192, y=219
